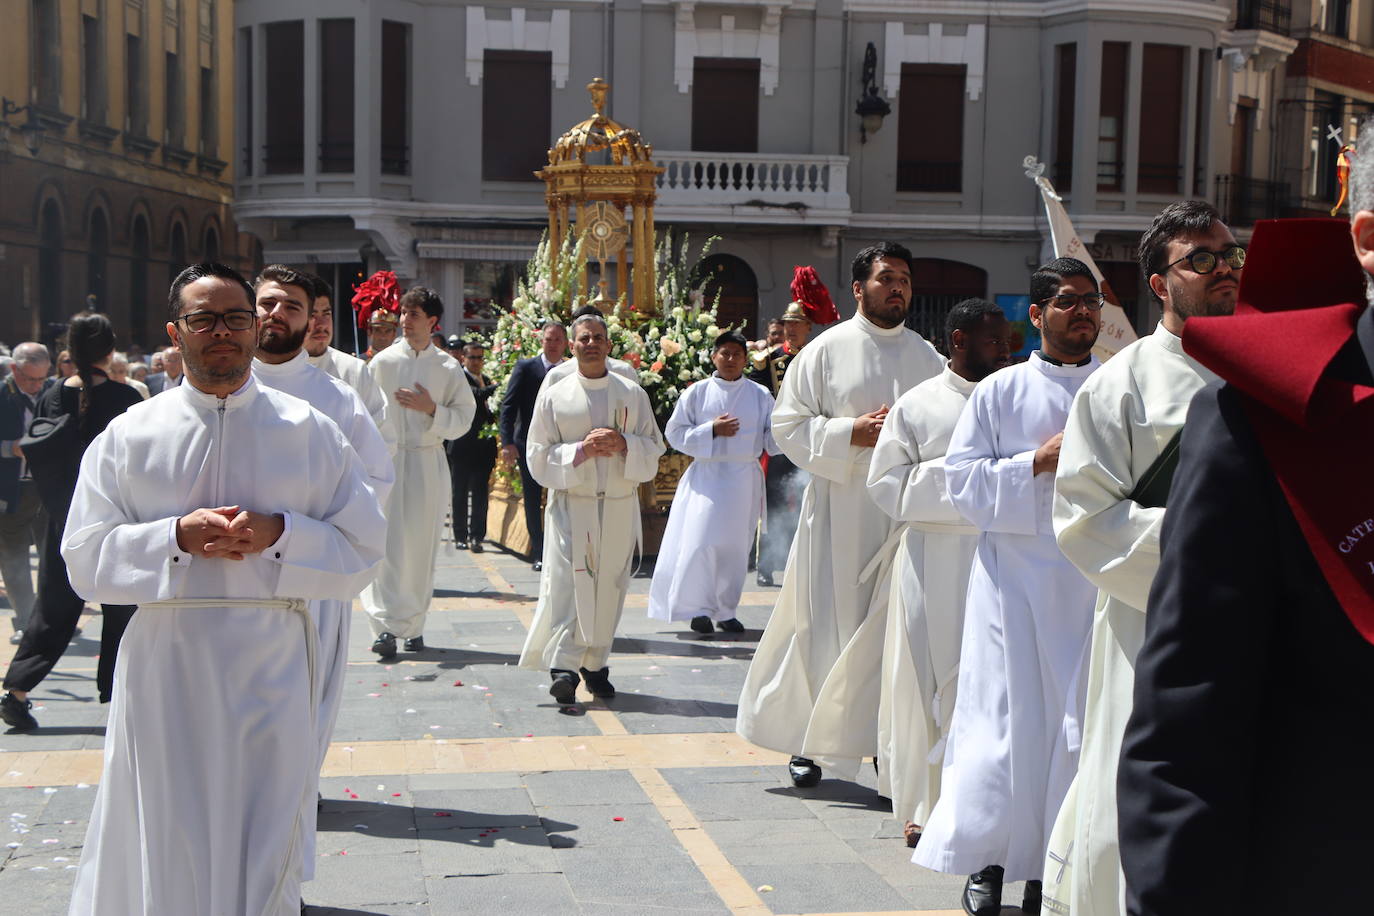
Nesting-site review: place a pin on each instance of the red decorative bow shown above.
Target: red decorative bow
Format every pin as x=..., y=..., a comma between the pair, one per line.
x=808, y=289
x=379, y=292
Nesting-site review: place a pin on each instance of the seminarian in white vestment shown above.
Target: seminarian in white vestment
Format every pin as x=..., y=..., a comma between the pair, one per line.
x=354, y=373
x=929, y=580
x=1013, y=744
x=212, y=756
x=340, y=403
x=704, y=557
x=1107, y=517
x=398, y=601
x=592, y=525
x=838, y=384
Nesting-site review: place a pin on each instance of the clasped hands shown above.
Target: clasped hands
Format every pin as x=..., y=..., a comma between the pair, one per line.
x=604, y=443
x=228, y=532
x=867, y=427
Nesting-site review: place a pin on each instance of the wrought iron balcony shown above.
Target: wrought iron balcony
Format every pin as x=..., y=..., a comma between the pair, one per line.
x=766, y=180
x=1242, y=200
x=1268, y=15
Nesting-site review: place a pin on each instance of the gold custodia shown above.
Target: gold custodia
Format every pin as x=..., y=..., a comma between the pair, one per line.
x=600, y=192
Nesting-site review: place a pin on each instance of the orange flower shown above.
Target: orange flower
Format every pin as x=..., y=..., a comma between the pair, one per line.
x=633, y=359
x=657, y=366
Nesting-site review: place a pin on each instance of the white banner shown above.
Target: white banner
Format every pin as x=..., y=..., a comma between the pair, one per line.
x=1116, y=328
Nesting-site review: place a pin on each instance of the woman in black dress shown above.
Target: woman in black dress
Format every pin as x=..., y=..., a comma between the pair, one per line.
x=91, y=400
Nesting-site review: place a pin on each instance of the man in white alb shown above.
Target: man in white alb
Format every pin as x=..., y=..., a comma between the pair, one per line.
x=723, y=423
x=930, y=571
x=1113, y=479
x=200, y=507
x=346, y=367
x=1013, y=744
x=831, y=407
x=592, y=441
x=428, y=400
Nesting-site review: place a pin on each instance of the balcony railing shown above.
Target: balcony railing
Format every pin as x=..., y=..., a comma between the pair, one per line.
x=1242, y=200
x=1269, y=15
x=799, y=182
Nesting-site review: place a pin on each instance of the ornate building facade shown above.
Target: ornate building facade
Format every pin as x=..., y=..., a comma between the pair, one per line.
x=116, y=163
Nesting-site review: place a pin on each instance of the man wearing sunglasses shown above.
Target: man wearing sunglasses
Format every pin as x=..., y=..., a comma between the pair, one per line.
x=1115, y=468
x=1013, y=741
x=226, y=511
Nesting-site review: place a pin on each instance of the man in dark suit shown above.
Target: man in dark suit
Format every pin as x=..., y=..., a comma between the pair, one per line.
x=171, y=375
x=517, y=408
x=22, y=519
x=472, y=456
x=1243, y=770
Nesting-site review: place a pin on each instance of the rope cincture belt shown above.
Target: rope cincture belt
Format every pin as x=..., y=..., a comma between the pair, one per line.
x=301, y=607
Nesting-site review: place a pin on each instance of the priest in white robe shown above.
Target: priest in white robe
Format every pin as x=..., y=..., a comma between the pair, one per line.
x=723, y=423
x=924, y=613
x=226, y=511
x=346, y=367
x=833, y=401
x=592, y=441
x=283, y=298
x=428, y=400
x=1109, y=505
x=1013, y=744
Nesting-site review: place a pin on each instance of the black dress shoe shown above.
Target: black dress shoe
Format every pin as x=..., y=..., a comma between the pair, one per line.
x=765, y=579
x=476, y=547
x=537, y=566
x=564, y=686
x=701, y=624
x=598, y=683
x=415, y=644
x=461, y=545
x=804, y=772
x=15, y=713
x=730, y=626
x=385, y=645
x=983, y=892
x=1030, y=900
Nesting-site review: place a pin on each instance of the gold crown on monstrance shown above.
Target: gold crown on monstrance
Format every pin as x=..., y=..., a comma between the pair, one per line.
x=600, y=133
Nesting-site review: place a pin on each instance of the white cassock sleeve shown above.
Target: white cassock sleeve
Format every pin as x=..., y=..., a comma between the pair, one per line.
x=813, y=441
x=687, y=431
x=373, y=450
x=993, y=493
x=454, y=407
x=765, y=408
x=643, y=441
x=1113, y=540
x=549, y=458
x=375, y=402
x=900, y=482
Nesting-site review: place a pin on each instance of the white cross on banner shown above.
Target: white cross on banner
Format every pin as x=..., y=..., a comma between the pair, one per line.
x=1116, y=328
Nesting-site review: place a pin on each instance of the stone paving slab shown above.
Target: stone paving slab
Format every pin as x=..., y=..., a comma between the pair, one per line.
x=483, y=798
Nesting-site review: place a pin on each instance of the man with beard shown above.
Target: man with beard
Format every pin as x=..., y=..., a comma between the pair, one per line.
x=343, y=366
x=283, y=304
x=783, y=482
x=592, y=441
x=1013, y=742
x=834, y=399
x=1115, y=466
x=226, y=511
x=428, y=400
x=914, y=691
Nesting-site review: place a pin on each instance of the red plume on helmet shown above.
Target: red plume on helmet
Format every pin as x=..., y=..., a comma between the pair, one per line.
x=808, y=289
x=378, y=293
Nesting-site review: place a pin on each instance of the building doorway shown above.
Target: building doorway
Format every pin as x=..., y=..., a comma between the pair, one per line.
x=937, y=286
x=738, y=288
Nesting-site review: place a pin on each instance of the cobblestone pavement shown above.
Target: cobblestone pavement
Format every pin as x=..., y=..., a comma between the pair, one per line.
x=455, y=785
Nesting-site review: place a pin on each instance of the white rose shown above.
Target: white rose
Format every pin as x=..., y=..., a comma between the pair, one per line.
x=694, y=336
x=713, y=332
x=685, y=375
x=677, y=311
x=704, y=318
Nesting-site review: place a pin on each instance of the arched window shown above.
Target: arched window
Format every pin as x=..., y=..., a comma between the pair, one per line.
x=50, y=309
x=140, y=253
x=936, y=286
x=734, y=280
x=97, y=254
x=211, y=244
x=176, y=252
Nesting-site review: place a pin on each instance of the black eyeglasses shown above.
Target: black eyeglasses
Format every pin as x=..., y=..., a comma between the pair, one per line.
x=1202, y=261
x=1090, y=301
x=204, y=322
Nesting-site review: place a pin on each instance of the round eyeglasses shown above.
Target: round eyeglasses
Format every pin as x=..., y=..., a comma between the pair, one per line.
x=1202, y=261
